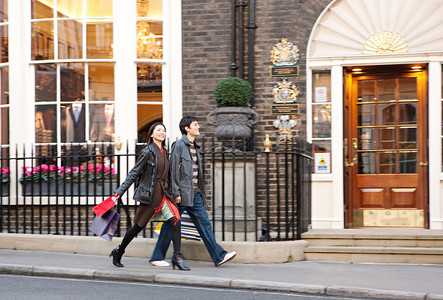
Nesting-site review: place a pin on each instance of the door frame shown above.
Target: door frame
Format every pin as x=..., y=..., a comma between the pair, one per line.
x=350, y=173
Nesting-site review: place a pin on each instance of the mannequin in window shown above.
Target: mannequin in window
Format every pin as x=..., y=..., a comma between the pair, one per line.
x=102, y=123
x=74, y=117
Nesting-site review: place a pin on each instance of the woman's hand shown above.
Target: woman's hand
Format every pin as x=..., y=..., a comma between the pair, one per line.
x=178, y=199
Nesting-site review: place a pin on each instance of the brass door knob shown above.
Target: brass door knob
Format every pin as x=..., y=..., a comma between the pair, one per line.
x=423, y=164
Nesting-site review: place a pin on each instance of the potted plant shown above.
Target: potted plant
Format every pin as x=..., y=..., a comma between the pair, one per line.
x=233, y=117
x=4, y=183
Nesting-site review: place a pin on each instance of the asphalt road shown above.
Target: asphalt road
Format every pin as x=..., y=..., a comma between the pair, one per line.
x=32, y=287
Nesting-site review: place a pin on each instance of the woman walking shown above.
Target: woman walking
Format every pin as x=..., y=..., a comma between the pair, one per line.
x=151, y=172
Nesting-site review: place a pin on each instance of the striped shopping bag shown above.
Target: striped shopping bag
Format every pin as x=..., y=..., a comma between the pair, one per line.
x=189, y=232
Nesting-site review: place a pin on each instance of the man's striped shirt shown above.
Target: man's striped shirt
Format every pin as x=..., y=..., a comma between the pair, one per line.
x=194, y=167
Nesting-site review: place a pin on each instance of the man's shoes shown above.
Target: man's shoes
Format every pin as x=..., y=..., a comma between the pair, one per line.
x=160, y=263
x=227, y=258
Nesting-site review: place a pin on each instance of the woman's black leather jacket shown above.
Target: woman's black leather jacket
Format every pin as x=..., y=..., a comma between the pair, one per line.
x=144, y=172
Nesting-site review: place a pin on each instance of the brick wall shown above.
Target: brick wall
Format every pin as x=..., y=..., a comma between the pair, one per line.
x=207, y=58
x=207, y=53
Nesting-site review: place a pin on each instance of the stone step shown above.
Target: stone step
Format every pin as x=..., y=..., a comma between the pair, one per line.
x=375, y=238
x=405, y=246
x=399, y=255
x=370, y=242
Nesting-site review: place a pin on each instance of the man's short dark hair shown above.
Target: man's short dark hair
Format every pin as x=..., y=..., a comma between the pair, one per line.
x=186, y=122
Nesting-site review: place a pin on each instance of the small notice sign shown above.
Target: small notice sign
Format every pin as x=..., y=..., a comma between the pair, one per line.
x=322, y=163
x=321, y=94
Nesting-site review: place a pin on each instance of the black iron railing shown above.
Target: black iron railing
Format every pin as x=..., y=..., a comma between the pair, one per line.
x=252, y=195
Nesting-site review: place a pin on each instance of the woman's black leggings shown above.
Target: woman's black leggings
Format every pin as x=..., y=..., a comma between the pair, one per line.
x=132, y=233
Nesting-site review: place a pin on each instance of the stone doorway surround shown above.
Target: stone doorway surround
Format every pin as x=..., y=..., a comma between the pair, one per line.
x=376, y=32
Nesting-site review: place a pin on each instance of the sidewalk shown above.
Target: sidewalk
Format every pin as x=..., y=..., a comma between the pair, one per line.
x=380, y=281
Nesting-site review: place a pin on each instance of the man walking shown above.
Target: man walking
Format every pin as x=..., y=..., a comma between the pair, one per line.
x=188, y=191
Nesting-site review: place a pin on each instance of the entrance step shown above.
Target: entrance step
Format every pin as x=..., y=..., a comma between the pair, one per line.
x=404, y=246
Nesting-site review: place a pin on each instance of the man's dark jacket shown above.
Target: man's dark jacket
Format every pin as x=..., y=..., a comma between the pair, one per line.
x=181, y=172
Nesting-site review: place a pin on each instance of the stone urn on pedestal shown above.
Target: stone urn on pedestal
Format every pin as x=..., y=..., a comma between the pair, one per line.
x=233, y=118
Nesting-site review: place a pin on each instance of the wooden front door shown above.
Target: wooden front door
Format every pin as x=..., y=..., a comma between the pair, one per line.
x=385, y=147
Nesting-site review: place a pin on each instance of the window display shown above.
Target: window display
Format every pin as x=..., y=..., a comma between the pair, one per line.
x=63, y=103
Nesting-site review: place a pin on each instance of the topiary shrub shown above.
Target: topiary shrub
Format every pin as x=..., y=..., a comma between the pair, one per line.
x=233, y=91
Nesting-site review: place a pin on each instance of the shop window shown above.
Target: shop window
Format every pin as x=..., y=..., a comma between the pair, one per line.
x=4, y=81
x=71, y=18
x=149, y=29
x=4, y=94
x=4, y=105
x=149, y=74
x=74, y=97
x=321, y=120
x=149, y=97
x=85, y=115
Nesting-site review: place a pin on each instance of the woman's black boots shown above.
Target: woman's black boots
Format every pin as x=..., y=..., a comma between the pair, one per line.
x=117, y=254
x=177, y=260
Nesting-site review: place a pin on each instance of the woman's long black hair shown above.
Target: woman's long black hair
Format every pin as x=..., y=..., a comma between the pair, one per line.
x=151, y=130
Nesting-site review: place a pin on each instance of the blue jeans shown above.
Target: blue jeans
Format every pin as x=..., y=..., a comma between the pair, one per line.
x=199, y=216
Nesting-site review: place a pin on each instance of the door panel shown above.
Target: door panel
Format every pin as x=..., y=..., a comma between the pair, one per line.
x=385, y=146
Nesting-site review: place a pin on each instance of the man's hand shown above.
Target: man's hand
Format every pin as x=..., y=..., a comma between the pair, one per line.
x=178, y=199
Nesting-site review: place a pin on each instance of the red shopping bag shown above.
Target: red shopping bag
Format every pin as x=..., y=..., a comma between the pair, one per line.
x=106, y=205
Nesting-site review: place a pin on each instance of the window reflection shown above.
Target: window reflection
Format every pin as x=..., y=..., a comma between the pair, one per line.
x=367, y=163
x=147, y=114
x=101, y=81
x=4, y=105
x=388, y=162
x=40, y=10
x=70, y=39
x=149, y=97
x=4, y=125
x=72, y=82
x=407, y=88
x=322, y=121
x=367, y=138
x=366, y=114
x=4, y=53
x=408, y=162
x=150, y=39
x=45, y=82
x=150, y=8
x=4, y=85
x=42, y=44
x=70, y=8
x=366, y=90
x=45, y=124
x=386, y=90
x=386, y=114
x=407, y=113
x=99, y=40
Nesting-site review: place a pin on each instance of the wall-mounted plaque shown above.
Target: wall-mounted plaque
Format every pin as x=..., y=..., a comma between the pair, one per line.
x=284, y=71
x=285, y=109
